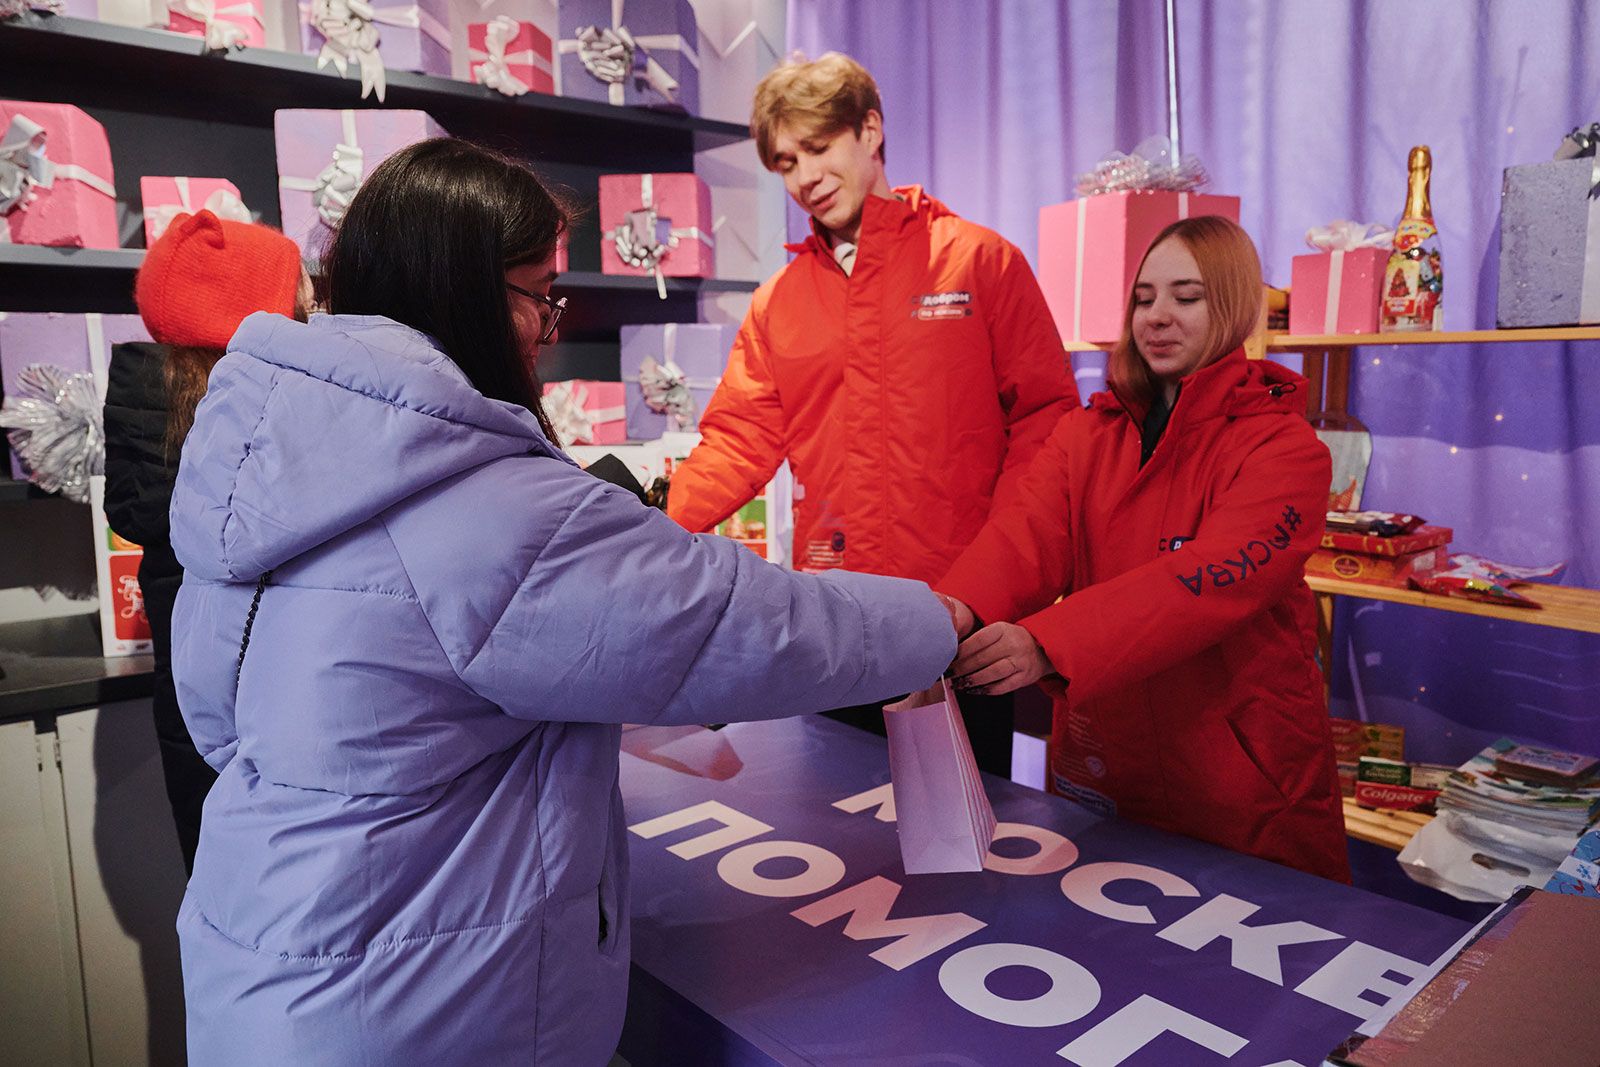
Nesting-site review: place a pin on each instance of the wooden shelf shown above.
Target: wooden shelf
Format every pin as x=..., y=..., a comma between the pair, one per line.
x=1391, y=829
x=1283, y=342
x=1562, y=607
x=1286, y=342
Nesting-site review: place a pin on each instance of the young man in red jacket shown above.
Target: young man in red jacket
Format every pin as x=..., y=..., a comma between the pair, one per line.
x=904, y=363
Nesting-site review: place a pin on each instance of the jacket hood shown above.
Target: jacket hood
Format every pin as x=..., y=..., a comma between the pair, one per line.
x=1231, y=387
x=910, y=203
x=309, y=429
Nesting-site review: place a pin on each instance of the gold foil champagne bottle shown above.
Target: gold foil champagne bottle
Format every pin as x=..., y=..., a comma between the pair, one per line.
x=1413, y=283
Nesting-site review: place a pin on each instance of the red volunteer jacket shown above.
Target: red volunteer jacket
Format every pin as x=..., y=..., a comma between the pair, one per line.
x=908, y=396
x=1186, y=633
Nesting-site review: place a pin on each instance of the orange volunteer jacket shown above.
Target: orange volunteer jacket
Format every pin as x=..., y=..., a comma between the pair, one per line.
x=908, y=396
x=1186, y=633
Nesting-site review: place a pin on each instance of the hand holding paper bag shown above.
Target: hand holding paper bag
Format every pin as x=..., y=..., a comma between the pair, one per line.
x=941, y=810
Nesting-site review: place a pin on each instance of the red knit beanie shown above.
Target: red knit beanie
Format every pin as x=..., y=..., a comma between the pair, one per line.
x=205, y=274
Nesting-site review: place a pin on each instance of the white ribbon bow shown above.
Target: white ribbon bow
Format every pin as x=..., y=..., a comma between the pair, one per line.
x=223, y=203
x=23, y=164
x=666, y=392
x=24, y=169
x=639, y=241
x=1342, y=235
x=611, y=55
x=220, y=35
x=571, y=421
x=333, y=189
x=350, y=34
x=495, y=70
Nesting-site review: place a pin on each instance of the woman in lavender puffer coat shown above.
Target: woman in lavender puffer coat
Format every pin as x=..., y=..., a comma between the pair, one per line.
x=408, y=632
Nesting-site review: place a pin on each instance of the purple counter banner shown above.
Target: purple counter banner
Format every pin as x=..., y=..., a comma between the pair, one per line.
x=770, y=906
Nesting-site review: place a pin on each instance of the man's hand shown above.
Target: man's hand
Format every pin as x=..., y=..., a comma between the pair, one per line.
x=999, y=658
x=961, y=616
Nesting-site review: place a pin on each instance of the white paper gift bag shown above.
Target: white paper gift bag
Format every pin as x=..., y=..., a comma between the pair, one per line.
x=941, y=810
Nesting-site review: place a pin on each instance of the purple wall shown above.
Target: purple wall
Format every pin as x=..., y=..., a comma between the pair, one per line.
x=1306, y=109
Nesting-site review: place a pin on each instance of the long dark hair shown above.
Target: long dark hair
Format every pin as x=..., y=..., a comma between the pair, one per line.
x=427, y=242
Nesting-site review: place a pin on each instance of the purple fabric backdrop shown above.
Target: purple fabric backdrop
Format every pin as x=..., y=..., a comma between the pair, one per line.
x=1306, y=110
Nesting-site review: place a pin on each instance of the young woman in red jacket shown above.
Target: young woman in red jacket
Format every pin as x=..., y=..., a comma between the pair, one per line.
x=1151, y=573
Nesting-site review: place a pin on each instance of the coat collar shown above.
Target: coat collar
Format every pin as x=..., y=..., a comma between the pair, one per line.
x=881, y=218
x=1230, y=387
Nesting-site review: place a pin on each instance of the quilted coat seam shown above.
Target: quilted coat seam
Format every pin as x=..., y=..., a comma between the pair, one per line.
x=456, y=419
x=233, y=489
x=722, y=614
x=374, y=947
x=416, y=598
x=489, y=631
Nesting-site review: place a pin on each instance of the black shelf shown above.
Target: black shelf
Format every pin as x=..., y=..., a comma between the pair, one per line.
x=54, y=665
x=89, y=63
x=12, y=490
x=37, y=278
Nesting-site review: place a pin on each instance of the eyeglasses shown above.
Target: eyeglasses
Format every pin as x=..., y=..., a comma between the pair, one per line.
x=557, y=308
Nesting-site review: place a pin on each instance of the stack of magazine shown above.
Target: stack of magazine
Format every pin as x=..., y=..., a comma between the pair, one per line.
x=1489, y=787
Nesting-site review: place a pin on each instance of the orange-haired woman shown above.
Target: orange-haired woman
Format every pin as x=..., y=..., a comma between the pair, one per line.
x=1152, y=574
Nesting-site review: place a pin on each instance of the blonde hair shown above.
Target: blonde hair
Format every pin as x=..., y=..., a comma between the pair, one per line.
x=1231, y=271
x=823, y=95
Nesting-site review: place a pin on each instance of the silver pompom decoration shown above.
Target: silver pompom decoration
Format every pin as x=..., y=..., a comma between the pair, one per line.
x=55, y=423
x=1150, y=166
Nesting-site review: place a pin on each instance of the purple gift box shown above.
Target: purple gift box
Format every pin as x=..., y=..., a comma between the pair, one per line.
x=410, y=36
x=688, y=362
x=323, y=155
x=78, y=344
x=1550, y=244
x=639, y=52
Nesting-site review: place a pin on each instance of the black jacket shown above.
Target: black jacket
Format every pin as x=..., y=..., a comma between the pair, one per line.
x=138, y=492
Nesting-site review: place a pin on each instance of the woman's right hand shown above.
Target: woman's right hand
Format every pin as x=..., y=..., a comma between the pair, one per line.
x=961, y=616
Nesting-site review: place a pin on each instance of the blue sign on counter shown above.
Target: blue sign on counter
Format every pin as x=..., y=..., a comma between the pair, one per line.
x=768, y=895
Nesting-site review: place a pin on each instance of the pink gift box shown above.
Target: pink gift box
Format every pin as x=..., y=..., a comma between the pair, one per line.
x=662, y=222
x=224, y=23
x=323, y=156
x=527, y=55
x=167, y=198
x=67, y=149
x=1090, y=250
x=586, y=412
x=1337, y=292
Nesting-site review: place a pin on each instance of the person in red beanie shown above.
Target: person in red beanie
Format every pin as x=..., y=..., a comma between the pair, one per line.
x=199, y=281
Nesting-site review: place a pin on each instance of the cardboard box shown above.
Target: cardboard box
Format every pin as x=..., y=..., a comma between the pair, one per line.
x=1391, y=784
x=1377, y=570
x=665, y=69
x=166, y=198
x=1090, y=250
x=1337, y=292
x=411, y=36
x=69, y=151
x=223, y=23
x=587, y=412
x=694, y=352
x=1401, y=545
x=323, y=156
x=512, y=56
x=1550, y=244
x=656, y=224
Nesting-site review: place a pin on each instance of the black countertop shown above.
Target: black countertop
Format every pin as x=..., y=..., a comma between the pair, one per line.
x=55, y=665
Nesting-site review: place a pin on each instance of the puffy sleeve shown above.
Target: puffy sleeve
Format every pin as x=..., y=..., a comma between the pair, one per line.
x=588, y=606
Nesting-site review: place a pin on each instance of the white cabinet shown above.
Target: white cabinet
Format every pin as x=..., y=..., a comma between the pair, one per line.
x=91, y=878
